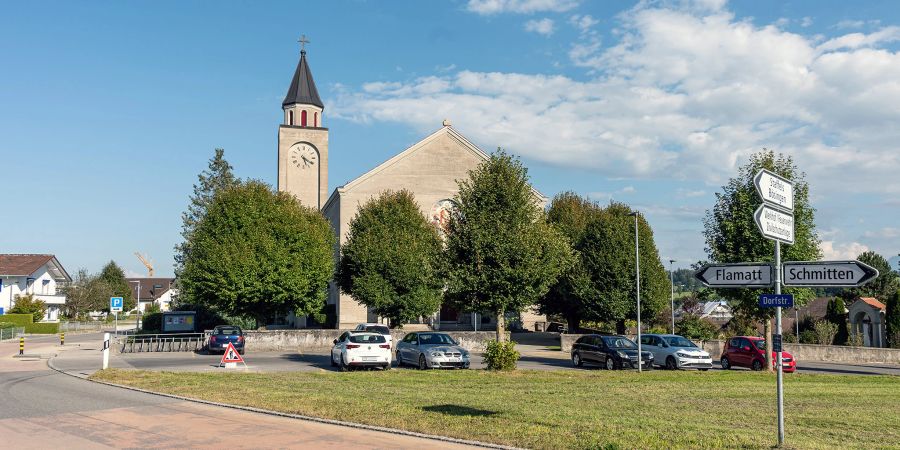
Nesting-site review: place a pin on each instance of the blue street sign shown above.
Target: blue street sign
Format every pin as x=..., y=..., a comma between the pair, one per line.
x=115, y=303
x=773, y=300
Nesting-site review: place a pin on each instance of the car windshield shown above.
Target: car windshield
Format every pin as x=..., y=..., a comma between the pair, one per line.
x=380, y=329
x=228, y=331
x=436, y=339
x=619, y=342
x=678, y=341
x=760, y=344
x=367, y=339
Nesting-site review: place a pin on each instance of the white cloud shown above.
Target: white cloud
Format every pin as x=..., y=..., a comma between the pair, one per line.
x=543, y=27
x=883, y=233
x=584, y=23
x=806, y=21
x=688, y=193
x=489, y=7
x=627, y=190
x=832, y=251
x=682, y=94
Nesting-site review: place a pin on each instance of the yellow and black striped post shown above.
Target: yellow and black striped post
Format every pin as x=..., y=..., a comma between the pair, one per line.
x=62, y=338
x=22, y=345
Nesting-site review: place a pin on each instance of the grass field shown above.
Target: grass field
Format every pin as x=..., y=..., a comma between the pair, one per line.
x=570, y=409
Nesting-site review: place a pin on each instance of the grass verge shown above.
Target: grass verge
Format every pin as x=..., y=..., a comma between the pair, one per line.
x=569, y=409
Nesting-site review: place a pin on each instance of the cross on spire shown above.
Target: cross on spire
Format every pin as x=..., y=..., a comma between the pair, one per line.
x=303, y=41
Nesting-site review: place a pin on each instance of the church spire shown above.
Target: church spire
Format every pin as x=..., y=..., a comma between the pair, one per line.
x=303, y=88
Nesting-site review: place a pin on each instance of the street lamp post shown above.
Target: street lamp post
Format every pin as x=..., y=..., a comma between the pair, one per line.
x=672, y=282
x=138, y=299
x=637, y=281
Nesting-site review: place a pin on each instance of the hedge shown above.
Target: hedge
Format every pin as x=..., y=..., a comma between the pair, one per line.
x=42, y=328
x=20, y=320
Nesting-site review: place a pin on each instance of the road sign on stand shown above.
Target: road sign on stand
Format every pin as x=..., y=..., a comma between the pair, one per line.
x=231, y=357
x=116, y=304
x=775, y=190
x=735, y=275
x=828, y=273
x=776, y=300
x=774, y=224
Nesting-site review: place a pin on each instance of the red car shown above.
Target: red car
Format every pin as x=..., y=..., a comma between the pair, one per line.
x=748, y=351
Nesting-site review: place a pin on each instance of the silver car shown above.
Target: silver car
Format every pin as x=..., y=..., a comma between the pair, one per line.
x=676, y=352
x=428, y=349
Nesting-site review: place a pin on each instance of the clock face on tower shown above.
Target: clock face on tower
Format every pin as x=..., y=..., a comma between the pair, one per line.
x=303, y=155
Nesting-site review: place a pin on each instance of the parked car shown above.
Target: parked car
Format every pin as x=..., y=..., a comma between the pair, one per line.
x=675, y=352
x=749, y=351
x=222, y=335
x=611, y=351
x=354, y=349
x=377, y=328
x=427, y=350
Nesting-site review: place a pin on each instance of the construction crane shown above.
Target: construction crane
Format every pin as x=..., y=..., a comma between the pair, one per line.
x=146, y=264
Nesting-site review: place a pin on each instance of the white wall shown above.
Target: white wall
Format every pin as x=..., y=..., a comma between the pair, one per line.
x=43, y=287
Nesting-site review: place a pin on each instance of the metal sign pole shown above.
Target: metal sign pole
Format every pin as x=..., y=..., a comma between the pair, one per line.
x=778, y=360
x=116, y=329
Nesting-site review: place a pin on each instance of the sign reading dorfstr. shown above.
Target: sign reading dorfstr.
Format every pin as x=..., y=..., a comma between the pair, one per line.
x=775, y=224
x=775, y=190
x=735, y=275
x=828, y=273
x=776, y=300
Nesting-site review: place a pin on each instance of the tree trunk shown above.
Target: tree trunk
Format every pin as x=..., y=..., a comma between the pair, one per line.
x=501, y=326
x=767, y=332
x=573, y=322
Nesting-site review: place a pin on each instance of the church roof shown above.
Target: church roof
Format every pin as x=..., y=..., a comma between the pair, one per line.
x=303, y=88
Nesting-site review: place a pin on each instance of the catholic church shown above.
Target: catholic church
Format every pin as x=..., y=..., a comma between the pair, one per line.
x=429, y=169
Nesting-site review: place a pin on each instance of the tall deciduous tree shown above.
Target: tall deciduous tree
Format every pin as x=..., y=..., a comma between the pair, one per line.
x=391, y=259
x=883, y=287
x=836, y=314
x=732, y=236
x=502, y=255
x=114, y=277
x=218, y=175
x=258, y=253
x=892, y=319
x=85, y=294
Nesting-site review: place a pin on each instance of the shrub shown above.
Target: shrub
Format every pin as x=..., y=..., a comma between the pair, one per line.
x=19, y=320
x=27, y=304
x=789, y=337
x=658, y=330
x=5, y=325
x=807, y=337
x=153, y=308
x=825, y=332
x=855, y=340
x=695, y=328
x=152, y=321
x=501, y=355
x=42, y=328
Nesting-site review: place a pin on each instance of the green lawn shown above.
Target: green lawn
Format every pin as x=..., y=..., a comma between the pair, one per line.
x=570, y=409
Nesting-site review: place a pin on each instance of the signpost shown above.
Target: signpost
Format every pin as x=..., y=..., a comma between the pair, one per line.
x=775, y=190
x=828, y=273
x=776, y=301
x=774, y=224
x=115, y=305
x=740, y=275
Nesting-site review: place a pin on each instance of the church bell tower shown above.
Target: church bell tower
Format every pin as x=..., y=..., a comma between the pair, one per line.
x=302, y=140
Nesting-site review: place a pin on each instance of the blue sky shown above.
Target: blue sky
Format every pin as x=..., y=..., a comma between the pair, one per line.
x=109, y=110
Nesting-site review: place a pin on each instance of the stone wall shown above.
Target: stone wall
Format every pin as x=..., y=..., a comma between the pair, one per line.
x=295, y=340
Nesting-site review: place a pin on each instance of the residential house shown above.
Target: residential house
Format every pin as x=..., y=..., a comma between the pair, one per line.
x=40, y=275
x=153, y=290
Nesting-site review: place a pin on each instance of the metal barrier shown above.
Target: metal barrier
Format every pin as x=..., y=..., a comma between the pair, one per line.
x=9, y=333
x=85, y=326
x=182, y=342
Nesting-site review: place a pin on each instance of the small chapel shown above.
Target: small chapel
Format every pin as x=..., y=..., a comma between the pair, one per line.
x=429, y=169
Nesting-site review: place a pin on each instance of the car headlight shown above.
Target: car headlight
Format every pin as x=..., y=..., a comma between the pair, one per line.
x=437, y=354
x=681, y=354
x=622, y=354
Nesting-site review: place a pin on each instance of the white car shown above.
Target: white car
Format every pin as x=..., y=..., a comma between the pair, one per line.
x=676, y=352
x=377, y=328
x=356, y=349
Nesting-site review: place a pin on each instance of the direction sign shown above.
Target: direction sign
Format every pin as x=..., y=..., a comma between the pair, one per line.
x=115, y=304
x=775, y=224
x=775, y=190
x=828, y=273
x=774, y=300
x=735, y=275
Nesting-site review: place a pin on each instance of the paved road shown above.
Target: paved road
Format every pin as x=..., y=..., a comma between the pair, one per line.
x=42, y=408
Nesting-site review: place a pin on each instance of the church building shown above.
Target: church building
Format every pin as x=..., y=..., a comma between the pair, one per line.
x=429, y=169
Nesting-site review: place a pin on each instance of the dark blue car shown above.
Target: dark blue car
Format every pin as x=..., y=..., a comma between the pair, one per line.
x=222, y=335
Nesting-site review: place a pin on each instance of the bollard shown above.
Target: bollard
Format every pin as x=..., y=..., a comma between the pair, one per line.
x=22, y=345
x=62, y=338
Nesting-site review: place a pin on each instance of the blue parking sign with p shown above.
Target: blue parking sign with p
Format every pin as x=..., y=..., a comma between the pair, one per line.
x=115, y=303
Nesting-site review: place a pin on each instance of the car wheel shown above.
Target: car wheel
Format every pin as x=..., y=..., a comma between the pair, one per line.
x=670, y=363
x=423, y=365
x=757, y=365
x=576, y=360
x=703, y=370
x=726, y=364
x=241, y=352
x=387, y=366
x=399, y=360
x=344, y=366
x=610, y=364
x=331, y=358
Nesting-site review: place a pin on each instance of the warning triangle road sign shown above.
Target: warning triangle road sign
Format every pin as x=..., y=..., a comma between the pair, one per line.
x=231, y=355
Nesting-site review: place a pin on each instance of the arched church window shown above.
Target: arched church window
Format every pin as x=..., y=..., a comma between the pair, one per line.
x=303, y=118
x=316, y=119
x=290, y=118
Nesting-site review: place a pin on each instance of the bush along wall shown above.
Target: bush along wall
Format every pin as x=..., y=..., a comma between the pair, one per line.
x=20, y=320
x=42, y=328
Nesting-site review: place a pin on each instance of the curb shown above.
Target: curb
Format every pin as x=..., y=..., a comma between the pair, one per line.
x=342, y=423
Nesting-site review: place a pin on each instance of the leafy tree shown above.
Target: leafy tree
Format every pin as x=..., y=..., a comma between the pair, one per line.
x=85, y=294
x=892, y=319
x=217, y=176
x=27, y=304
x=835, y=313
x=259, y=253
x=695, y=328
x=685, y=281
x=607, y=253
x=882, y=287
x=732, y=236
x=391, y=259
x=502, y=255
x=114, y=278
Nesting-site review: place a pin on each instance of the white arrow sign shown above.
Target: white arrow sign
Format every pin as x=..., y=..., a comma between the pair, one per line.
x=828, y=273
x=775, y=190
x=735, y=275
x=775, y=224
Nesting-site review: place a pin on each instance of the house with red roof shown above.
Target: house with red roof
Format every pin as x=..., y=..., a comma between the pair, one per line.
x=867, y=318
x=40, y=275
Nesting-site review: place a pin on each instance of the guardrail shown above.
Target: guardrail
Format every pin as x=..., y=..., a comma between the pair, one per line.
x=84, y=326
x=10, y=333
x=182, y=342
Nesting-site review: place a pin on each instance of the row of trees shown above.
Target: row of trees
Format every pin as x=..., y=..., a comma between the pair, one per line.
x=91, y=292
